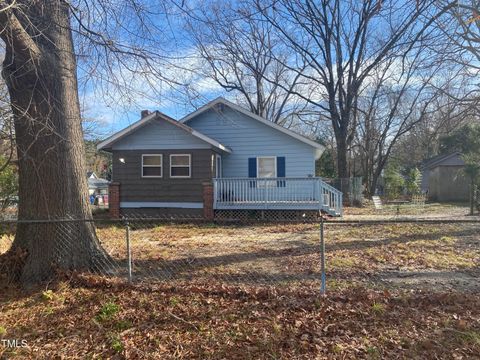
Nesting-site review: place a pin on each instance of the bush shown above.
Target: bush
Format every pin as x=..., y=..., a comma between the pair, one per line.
x=108, y=311
x=394, y=182
x=413, y=183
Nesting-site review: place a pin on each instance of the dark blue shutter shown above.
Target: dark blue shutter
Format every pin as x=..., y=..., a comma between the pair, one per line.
x=252, y=170
x=281, y=170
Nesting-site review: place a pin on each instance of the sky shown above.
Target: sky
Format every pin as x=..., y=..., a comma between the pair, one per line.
x=114, y=108
x=168, y=83
x=113, y=97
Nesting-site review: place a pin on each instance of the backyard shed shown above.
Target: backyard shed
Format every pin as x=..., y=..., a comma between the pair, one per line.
x=443, y=178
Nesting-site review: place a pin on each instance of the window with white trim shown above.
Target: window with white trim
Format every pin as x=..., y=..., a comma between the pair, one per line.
x=180, y=165
x=266, y=166
x=152, y=165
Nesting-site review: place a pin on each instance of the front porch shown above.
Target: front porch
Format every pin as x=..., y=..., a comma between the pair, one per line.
x=276, y=194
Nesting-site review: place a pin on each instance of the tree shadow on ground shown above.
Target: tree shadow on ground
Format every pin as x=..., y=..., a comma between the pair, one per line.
x=251, y=267
x=366, y=244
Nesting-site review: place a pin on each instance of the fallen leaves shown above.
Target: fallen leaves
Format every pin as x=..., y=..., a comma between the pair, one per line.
x=200, y=320
x=208, y=316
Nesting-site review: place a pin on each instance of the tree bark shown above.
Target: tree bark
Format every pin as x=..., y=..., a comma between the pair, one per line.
x=342, y=149
x=40, y=72
x=472, y=196
x=374, y=180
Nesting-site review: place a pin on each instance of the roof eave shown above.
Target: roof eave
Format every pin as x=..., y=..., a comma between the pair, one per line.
x=106, y=145
x=437, y=162
x=254, y=116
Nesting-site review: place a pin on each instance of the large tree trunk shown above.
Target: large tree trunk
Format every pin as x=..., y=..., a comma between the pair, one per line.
x=40, y=72
x=342, y=149
x=472, y=195
x=374, y=181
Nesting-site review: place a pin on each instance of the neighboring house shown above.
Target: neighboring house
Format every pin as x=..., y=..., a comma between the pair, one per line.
x=443, y=178
x=96, y=185
x=254, y=164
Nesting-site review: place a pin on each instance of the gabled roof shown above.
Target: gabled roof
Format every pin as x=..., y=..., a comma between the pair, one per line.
x=91, y=175
x=107, y=143
x=248, y=113
x=98, y=183
x=437, y=160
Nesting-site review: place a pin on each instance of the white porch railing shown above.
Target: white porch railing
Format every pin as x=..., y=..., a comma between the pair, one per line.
x=276, y=194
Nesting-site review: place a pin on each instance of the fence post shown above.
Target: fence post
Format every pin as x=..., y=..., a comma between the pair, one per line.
x=265, y=189
x=129, y=250
x=322, y=258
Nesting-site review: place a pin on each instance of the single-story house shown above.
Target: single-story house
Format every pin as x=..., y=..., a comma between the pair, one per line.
x=91, y=175
x=162, y=164
x=443, y=178
x=96, y=185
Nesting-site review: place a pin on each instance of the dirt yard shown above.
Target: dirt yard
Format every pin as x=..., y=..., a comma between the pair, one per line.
x=242, y=292
x=419, y=256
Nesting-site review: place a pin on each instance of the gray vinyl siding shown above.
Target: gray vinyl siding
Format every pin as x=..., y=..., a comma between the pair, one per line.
x=444, y=179
x=448, y=183
x=247, y=137
x=163, y=212
x=158, y=134
x=134, y=188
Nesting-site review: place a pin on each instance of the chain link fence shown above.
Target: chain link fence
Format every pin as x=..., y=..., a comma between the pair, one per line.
x=143, y=249
x=352, y=189
x=253, y=252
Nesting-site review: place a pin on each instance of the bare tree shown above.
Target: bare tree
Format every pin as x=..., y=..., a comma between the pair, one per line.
x=245, y=56
x=424, y=141
x=113, y=44
x=7, y=133
x=462, y=27
x=343, y=42
x=401, y=96
x=40, y=72
x=464, y=30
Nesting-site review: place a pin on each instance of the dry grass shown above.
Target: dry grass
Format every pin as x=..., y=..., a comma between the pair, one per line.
x=408, y=246
x=5, y=242
x=291, y=252
x=431, y=209
x=363, y=316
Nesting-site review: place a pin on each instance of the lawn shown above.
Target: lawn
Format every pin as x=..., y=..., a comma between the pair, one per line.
x=203, y=291
x=375, y=255
x=429, y=210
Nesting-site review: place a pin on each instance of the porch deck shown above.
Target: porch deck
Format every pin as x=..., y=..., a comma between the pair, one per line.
x=276, y=194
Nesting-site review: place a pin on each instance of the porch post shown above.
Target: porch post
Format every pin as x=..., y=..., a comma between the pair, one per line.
x=114, y=199
x=208, y=213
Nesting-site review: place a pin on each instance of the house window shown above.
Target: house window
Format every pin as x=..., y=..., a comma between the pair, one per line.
x=266, y=166
x=180, y=165
x=152, y=165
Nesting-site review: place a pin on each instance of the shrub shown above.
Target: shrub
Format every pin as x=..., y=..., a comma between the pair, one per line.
x=413, y=182
x=394, y=182
x=108, y=311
